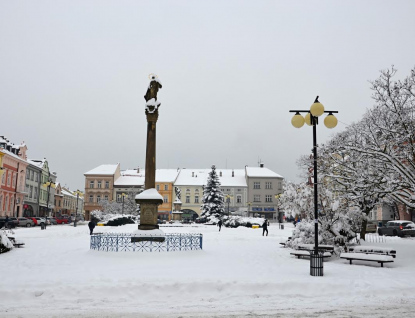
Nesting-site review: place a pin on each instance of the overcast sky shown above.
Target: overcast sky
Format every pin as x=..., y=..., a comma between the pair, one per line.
x=73, y=75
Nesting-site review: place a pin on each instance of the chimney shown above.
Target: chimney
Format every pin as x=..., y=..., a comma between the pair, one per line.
x=233, y=173
x=193, y=174
x=261, y=165
x=138, y=169
x=220, y=174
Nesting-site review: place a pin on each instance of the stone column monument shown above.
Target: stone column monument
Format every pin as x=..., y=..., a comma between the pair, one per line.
x=150, y=199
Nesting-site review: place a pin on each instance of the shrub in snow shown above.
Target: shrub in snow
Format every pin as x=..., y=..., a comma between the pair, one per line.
x=120, y=221
x=213, y=205
x=338, y=222
x=5, y=244
x=113, y=219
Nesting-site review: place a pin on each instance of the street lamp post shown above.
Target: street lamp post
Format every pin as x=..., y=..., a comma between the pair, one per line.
x=228, y=200
x=123, y=195
x=48, y=184
x=311, y=119
x=76, y=209
x=249, y=206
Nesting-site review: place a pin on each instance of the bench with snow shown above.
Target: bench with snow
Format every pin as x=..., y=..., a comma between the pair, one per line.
x=304, y=253
x=321, y=247
x=367, y=257
x=374, y=250
x=16, y=243
x=284, y=243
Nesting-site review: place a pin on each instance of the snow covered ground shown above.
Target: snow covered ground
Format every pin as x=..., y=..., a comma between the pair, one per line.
x=239, y=273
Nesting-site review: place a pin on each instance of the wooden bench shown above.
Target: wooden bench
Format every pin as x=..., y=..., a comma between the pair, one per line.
x=321, y=247
x=374, y=250
x=304, y=253
x=379, y=258
x=15, y=243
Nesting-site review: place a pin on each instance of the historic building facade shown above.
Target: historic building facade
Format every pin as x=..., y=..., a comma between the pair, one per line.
x=12, y=187
x=99, y=185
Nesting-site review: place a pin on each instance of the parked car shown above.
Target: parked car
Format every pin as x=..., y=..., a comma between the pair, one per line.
x=10, y=224
x=371, y=227
x=68, y=217
x=14, y=220
x=201, y=220
x=61, y=220
x=51, y=221
x=40, y=221
x=26, y=222
x=398, y=228
x=33, y=219
x=161, y=221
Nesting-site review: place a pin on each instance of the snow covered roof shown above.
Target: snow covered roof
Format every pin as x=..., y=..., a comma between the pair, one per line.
x=198, y=177
x=192, y=177
x=137, y=180
x=226, y=180
x=261, y=172
x=166, y=175
x=36, y=163
x=107, y=169
x=162, y=175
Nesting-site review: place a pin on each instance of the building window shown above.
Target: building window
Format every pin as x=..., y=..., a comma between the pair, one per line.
x=107, y=184
x=158, y=187
x=106, y=197
x=257, y=185
x=279, y=186
x=196, y=199
x=91, y=184
x=35, y=195
x=268, y=185
x=187, y=190
x=99, y=184
x=268, y=198
x=36, y=176
x=187, y=198
x=119, y=197
x=166, y=199
x=257, y=198
x=98, y=198
x=91, y=198
x=238, y=199
x=28, y=175
x=166, y=187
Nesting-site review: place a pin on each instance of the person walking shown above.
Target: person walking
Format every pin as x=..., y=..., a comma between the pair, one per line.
x=220, y=224
x=91, y=226
x=265, y=227
x=6, y=222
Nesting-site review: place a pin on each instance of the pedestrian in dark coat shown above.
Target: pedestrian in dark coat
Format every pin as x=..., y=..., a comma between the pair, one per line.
x=265, y=227
x=91, y=226
x=220, y=224
x=6, y=222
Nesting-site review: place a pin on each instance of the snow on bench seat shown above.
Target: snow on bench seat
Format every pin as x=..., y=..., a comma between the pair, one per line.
x=374, y=250
x=367, y=257
x=300, y=253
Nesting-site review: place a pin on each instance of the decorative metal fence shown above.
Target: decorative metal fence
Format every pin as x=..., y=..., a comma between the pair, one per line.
x=121, y=242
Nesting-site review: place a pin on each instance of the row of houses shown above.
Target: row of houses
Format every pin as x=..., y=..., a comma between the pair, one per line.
x=249, y=191
x=29, y=187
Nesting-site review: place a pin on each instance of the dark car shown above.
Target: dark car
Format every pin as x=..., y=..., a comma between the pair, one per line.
x=201, y=220
x=14, y=220
x=11, y=224
x=398, y=228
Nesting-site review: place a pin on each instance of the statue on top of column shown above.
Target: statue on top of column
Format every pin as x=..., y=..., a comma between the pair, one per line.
x=153, y=88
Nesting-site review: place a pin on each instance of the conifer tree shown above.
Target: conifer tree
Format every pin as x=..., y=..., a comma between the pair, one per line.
x=213, y=199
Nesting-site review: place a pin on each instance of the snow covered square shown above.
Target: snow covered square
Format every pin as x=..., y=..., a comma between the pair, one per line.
x=239, y=273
